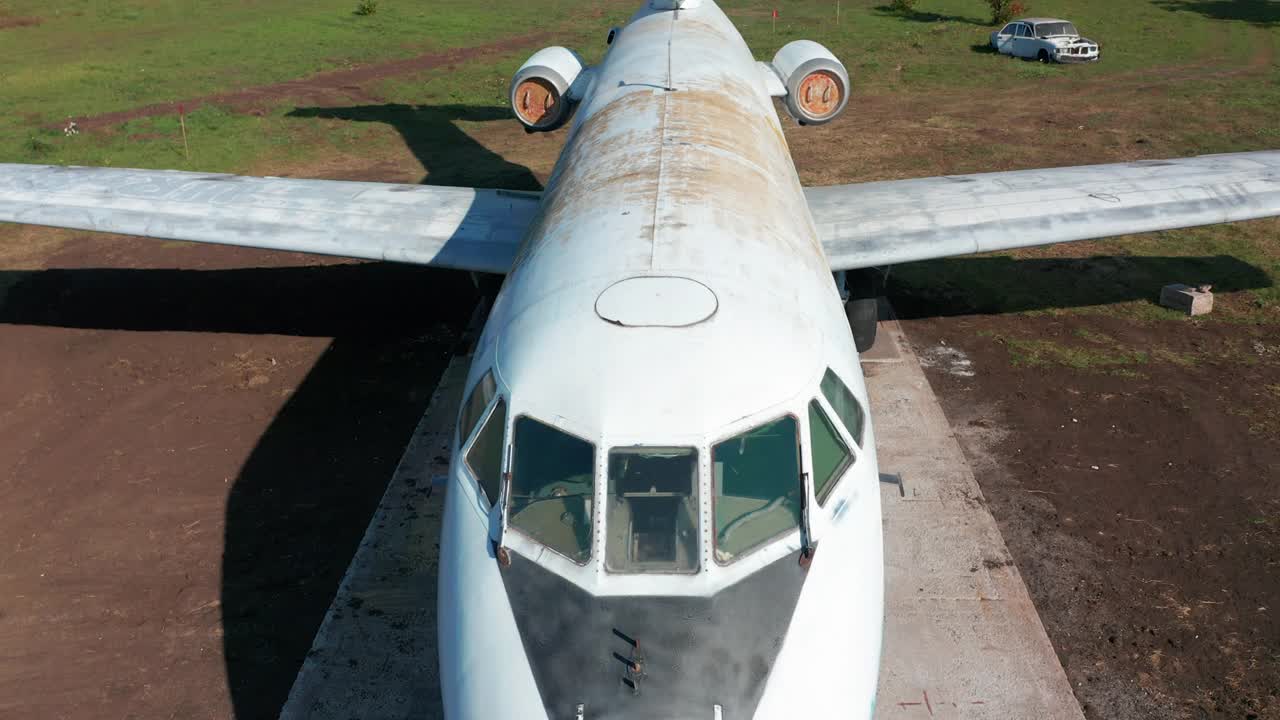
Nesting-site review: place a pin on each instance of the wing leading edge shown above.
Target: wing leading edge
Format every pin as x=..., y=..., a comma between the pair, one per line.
x=884, y=223
x=448, y=227
x=861, y=225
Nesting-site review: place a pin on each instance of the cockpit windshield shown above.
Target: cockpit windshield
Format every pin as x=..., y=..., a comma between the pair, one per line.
x=757, y=487
x=552, y=484
x=652, y=515
x=652, y=510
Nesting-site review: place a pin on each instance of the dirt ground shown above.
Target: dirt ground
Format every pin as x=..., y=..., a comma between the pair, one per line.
x=1142, y=510
x=189, y=458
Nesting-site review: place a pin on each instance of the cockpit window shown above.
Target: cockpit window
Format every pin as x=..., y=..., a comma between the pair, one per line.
x=756, y=477
x=473, y=410
x=551, y=488
x=485, y=456
x=652, y=510
x=830, y=455
x=845, y=405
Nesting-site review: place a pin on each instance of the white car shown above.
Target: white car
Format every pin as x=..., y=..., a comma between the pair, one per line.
x=1044, y=39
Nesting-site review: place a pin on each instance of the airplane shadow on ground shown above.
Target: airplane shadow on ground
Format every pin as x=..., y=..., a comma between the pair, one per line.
x=300, y=505
x=303, y=498
x=449, y=155
x=992, y=285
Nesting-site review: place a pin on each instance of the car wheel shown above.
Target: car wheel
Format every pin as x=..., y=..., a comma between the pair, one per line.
x=1043, y=56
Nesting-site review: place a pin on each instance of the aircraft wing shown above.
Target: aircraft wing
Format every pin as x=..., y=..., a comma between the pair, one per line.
x=884, y=223
x=448, y=227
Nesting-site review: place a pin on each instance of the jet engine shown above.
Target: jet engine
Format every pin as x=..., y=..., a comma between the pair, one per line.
x=540, y=93
x=817, y=83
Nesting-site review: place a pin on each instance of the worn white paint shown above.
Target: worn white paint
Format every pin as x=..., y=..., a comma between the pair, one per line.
x=861, y=225
x=885, y=223
x=674, y=170
x=1042, y=39
x=448, y=227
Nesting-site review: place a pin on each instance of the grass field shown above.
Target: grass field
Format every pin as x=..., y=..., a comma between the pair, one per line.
x=90, y=57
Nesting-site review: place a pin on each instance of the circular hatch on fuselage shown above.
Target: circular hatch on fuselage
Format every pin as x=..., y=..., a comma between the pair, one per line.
x=656, y=301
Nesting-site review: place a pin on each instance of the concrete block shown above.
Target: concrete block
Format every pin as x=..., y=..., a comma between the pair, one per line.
x=1191, y=300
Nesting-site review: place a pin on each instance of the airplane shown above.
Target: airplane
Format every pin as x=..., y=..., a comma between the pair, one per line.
x=663, y=494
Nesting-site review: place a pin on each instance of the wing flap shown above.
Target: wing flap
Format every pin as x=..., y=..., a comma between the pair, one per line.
x=884, y=223
x=449, y=227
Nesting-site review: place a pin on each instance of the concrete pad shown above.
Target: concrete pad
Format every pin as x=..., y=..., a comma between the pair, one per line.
x=375, y=653
x=962, y=639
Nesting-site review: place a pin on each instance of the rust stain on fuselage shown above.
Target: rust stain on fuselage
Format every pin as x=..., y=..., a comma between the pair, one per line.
x=681, y=166
x=662, y=155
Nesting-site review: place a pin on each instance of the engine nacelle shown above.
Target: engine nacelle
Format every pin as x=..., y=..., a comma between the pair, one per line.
x=540, y=93
x=817, y=83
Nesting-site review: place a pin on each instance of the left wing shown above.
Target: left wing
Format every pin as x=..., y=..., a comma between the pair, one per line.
x=449, y=227
x=884, y=223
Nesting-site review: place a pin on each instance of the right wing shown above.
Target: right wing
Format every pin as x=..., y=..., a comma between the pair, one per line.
x=458, y=228
x=883, y=223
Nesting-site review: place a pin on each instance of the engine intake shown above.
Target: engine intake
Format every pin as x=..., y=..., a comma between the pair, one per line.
x=817, y=83
x=540, y=93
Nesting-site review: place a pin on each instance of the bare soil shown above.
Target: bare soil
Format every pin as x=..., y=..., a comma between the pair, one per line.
x=189, y=458
x=19, y=22
x=1142, y=510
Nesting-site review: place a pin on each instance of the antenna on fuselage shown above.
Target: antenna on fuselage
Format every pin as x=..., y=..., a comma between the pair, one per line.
x=675, y=6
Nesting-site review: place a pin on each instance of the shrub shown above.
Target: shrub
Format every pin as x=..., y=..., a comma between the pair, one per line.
x=365, y=8
x=902, y=6
x=1002, y=11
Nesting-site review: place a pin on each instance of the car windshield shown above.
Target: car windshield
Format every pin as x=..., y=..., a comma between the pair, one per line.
x=651, y=517
x=1045, y=30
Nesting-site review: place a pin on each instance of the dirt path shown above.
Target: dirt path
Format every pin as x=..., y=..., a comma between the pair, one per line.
x=336, y=86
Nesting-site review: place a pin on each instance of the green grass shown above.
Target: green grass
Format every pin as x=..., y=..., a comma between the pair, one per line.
x=1094, y=336
x=944, y=42
x=1046, y=353
x=1101, y=355
x=89, y=57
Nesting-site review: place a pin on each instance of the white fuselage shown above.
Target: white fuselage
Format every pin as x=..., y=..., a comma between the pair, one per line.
x=675, y=166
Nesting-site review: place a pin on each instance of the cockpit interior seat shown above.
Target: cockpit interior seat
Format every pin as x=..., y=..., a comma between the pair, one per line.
x=559, y=516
